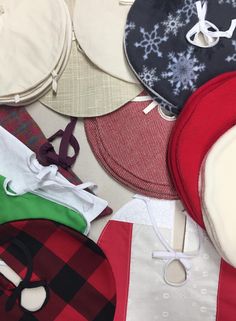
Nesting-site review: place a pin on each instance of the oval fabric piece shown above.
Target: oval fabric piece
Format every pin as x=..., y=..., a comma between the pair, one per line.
x=169, y=66
x=132, y=147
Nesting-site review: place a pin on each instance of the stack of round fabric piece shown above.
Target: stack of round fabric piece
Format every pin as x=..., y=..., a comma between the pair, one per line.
x=132, y=147
x=201, y=155
x=201, y=160
x=36, y=37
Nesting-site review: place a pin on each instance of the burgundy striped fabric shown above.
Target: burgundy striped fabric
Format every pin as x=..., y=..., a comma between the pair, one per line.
x=132, y=147
x=20, y=124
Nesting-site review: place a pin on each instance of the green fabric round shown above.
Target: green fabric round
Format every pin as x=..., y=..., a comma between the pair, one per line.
x=30, y=206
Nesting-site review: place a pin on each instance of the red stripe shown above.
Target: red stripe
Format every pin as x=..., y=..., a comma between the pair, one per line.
x=116, y=241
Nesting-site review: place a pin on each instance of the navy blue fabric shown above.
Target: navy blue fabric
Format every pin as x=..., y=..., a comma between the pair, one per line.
x=166, y=63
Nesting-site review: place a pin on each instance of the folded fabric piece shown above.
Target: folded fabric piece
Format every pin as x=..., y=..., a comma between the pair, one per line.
x=139, y=248
x=132, y=147
x=19, y=123
x=30, y=206
x=66, y=272
x=41, y=33
x=84, y=90
x=24, y=174
x=197, y=129
x=217, y=193
x=175, y=47
x=102, y=38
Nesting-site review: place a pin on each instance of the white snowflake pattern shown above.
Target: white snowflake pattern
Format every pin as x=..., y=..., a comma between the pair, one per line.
x=183, y=70
x=188, y=10
x=233, y=57
x=129, y=26
x=232, y=2
x=172, y=24
x=148, y=76
x=151, y=42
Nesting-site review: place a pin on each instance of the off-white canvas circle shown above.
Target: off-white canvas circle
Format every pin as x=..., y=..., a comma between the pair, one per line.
x=33, y=37
x=218, y=194
x=100, y=27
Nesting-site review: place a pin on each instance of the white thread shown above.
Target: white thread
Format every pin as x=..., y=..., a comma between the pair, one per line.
x=211, y=38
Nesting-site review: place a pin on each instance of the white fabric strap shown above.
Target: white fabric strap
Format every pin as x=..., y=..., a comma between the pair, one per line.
x=211, y=38
x=126, y=2
x=17, y=99
x=2, y=263
x=25, y=174
x=170, y=255
x=153, y=104
x=54, y=82
x=47, y=177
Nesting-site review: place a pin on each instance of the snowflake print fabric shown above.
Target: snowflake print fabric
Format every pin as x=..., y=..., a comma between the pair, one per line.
x=173, y=24
x=232, y=57
x=183, y=70
x=159, y=53
x=188, y=10
x=129, y=27
x=149, y=76
x=232, y=2
x=151, y=42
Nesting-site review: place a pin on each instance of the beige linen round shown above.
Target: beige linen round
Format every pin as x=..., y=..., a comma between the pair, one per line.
x=86, y=91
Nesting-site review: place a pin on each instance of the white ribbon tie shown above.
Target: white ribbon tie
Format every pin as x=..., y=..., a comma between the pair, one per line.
x=206, y=30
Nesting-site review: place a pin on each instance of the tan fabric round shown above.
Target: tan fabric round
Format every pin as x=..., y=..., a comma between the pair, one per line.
x=100, y=28
x=218, y=179
x=36, y=40
x=86, y=91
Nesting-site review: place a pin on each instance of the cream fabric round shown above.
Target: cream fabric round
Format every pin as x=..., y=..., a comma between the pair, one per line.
x=100, y=28
x=217, y=188
x=35, y=39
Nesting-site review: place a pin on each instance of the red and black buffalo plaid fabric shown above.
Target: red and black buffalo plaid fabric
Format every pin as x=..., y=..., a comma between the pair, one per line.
x=77, y=273
x=19, y=123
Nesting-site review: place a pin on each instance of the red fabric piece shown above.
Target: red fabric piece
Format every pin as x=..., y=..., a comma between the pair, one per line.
x=119, y=255
x=20, y=124
x=132, y=147
x=209, y=112
x=80, y=281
